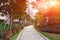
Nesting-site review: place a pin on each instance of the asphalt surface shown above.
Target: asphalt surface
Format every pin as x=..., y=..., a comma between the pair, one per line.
x=29, y=33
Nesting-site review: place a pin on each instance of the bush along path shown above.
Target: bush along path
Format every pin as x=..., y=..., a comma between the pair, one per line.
x=29, y=33
x=15, y=32
x=6, y=34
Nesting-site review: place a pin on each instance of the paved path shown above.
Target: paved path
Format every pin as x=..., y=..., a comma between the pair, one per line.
x=29, y=33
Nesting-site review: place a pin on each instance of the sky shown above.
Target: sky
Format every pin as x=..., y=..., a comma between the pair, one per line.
x=31, y=10
x=41, y=5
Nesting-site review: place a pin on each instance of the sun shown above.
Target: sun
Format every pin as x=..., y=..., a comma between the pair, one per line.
x=44, y=6
x=52, y=3
x=35, y=11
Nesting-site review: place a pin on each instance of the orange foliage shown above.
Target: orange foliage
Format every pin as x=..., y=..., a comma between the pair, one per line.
x=18, y=8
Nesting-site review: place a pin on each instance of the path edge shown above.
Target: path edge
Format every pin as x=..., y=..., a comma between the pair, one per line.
x=19, y=35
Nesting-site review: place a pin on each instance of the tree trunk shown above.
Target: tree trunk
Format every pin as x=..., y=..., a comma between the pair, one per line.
x=21, y=24
x=10, y=23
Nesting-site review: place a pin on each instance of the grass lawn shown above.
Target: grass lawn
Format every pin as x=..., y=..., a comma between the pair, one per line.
x=51, y=36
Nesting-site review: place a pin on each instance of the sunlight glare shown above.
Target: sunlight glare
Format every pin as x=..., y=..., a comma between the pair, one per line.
x=35, y=10
x=52, y=3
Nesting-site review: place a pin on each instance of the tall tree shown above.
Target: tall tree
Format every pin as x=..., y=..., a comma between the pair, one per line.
x=13, y=8
x=19, y=8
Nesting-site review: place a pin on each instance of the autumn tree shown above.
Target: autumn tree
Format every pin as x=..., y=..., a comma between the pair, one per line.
x=13, y=9
x=28, y=19
x=48, y=18
x=50, y=12
x=19, y=8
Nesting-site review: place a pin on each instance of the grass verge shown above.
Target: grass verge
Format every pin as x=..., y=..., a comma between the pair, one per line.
x=14, y=37
x=50, y=36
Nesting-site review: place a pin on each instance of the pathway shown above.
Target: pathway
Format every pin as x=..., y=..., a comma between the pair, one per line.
x=29, y=33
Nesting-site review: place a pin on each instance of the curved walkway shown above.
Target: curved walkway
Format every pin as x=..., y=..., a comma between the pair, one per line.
x=29, y=33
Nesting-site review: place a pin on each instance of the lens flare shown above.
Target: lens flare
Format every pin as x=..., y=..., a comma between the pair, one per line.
x=52, y=3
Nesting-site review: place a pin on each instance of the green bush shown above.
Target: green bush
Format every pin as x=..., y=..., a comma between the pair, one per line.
x=4, y=26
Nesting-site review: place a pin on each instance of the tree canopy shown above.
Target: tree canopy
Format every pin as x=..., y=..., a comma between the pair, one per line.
x=15, y=8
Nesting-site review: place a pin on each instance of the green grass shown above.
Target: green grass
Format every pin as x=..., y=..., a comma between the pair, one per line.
x=51, y=36
x=7, y=27
x=14, y=37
